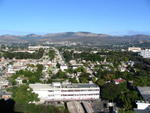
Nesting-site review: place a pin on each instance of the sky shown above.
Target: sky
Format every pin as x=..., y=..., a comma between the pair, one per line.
x=116, y=17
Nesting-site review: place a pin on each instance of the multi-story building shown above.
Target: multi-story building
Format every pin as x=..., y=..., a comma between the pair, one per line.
x=145, y=53
x=66, y=91
x=134, y=49
x=37, y=47
x=143, y=106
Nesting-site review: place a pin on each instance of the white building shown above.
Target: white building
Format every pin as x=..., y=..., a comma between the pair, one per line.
x=18, y=80
x=145, y=53
x=63, y=67
x=143, y=105
x=37, y=47
x=10, y=69
x=134, y=49
x=66, y=91
x=3, y=83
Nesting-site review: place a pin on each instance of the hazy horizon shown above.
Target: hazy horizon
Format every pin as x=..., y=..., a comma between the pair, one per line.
x=30, y=33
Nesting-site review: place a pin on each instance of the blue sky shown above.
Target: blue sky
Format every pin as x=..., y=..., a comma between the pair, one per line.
x=117, y=17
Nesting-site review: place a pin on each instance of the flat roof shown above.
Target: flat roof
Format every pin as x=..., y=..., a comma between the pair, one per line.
x=80, y=85
x=39, y=86
x=145, y=92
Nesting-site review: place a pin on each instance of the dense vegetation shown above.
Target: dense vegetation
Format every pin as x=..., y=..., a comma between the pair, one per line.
x=69, y=55
x=32, y=108
x=28, y=76
x=139, y=73
x=23, y=94
x=123, y=95
x=51, y=54
x=23, y=55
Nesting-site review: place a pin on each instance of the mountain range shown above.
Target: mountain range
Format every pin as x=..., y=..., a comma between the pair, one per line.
x=78, y=37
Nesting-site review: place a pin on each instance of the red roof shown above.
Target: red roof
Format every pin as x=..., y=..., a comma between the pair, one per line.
x=119, y=80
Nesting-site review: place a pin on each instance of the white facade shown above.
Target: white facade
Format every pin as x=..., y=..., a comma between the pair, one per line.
x=64, y=67
x=145, y=53
x=66, y=92
x=134, y=49
x=141, y=105
x=18, y=80
x=3, y=83
x=10, y=69
x=37, y=47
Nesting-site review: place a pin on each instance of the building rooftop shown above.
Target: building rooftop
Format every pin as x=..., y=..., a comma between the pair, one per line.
x=5, y=93
x=147, y=110
x=145, y=93
x=39, y=86
x=80, y=85
x=144, y=90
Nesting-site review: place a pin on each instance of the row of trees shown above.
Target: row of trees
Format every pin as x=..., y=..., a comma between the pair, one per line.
x=69, y=55
x=23, y=55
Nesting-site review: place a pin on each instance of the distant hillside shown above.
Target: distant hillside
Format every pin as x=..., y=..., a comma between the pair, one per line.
x=82, y=37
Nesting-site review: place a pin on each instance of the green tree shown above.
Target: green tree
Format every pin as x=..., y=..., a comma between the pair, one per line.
x=60, y=75
x=128, y=99
x=23, y=94
x=51, y=54
x=100, y=82
x=108, y=88
x=84, y=77
x=73, y=80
